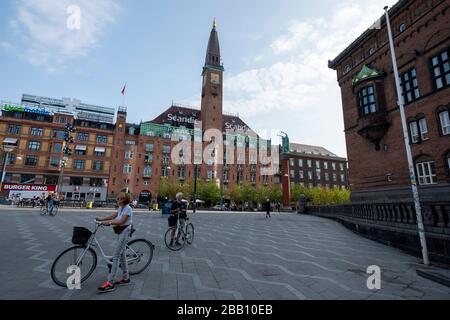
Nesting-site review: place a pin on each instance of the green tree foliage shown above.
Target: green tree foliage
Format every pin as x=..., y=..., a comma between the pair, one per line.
x=208, y=191
x=321, y=196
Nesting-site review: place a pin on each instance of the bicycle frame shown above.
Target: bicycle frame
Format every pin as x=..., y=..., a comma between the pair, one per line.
x=93, y=242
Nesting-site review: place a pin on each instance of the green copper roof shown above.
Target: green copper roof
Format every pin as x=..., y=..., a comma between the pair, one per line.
x=366, y=73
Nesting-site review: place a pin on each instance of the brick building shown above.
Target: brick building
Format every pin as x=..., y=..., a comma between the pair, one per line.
x=314, y=166
x=36, y=133
x=378, y=167
x=144, y=153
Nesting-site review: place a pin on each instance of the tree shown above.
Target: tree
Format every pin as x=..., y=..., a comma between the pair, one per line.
x=209, y=192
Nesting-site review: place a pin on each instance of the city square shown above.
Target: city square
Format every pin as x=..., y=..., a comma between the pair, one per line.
x=307, y=142
x=234, y=256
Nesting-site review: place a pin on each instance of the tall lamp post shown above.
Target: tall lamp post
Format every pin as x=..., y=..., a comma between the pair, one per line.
x=7, y=149
x=194, y=206
x=412, y=174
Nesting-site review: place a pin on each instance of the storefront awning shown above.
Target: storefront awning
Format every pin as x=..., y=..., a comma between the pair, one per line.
x=99, y=149
x=10, y=140
x=82, y=148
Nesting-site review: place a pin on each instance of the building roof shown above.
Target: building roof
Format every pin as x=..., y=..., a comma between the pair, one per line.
x=309, y=149
x=368, y=33
x=212, y=58
x=177, y=115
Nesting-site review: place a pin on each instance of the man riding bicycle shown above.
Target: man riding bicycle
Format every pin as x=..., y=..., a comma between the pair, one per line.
x=178, y=210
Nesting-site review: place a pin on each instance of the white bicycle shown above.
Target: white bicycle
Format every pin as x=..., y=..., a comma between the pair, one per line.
x=139, y=254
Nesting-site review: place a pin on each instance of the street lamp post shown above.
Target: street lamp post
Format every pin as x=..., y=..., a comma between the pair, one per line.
x=194, y=206
x=7, y=150
x=412, y=173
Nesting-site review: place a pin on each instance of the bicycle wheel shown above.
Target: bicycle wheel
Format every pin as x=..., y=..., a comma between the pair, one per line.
x=68, y=258
x=139, y=254
x=54, y=211
x=43, y=211
x=172, y=243
x=189, y=233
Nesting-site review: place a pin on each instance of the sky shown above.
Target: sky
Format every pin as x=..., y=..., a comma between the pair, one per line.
x=275, y=55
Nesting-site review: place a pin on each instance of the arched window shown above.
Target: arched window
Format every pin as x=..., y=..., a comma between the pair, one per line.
x=418, y=129
x=402, y=27
x=371, y=51
x=426, y=173
x=444, y=119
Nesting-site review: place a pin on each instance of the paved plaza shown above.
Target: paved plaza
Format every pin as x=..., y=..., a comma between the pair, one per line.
x=234, y=256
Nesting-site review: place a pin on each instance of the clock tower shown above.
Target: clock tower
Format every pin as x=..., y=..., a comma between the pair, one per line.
x=212, y=84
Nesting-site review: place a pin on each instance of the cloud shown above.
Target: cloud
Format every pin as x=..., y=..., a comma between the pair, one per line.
x=4, y=45
x=45, y=39
x=298, y=92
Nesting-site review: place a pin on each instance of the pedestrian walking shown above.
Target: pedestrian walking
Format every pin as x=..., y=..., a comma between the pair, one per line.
x=122, y=223
x=267, y=207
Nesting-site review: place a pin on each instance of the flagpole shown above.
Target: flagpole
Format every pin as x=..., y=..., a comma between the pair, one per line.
x=123, y=94
x=412, y=174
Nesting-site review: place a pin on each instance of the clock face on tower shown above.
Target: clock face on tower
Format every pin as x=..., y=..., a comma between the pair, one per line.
x=215, y=78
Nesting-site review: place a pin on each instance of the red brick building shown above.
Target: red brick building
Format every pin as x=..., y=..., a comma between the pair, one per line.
x=377, y=161
x=146, y=152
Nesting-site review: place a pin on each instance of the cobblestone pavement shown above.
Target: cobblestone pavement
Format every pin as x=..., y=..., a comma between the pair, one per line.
x=234, y=256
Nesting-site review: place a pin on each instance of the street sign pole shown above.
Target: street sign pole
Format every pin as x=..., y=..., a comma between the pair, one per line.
x=412, y=174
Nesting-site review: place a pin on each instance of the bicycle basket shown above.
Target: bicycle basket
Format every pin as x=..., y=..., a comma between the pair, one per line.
x=81, y=235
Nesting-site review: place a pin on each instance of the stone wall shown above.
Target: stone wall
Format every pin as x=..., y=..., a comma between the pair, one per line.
x=395, y=224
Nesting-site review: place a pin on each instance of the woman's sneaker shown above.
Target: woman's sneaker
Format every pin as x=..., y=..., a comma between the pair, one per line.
x=106, y=287
x=123, y=281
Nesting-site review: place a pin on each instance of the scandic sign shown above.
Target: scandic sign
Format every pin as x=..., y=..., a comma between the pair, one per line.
x=27, y=187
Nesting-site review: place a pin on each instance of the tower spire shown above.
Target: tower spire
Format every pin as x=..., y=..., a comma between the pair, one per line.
x=212, y=58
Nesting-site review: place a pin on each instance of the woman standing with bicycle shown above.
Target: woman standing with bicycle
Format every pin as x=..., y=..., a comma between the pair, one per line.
x=122, y=224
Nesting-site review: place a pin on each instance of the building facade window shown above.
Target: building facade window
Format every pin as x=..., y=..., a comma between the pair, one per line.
x=333, y=165
x=309, y=163
x=36, y=131
x=82, y=136
x=441, y=70
x=325, y=165
x=76, y=181
x=292, y=174
x=57, y=147
x=101, y=139
x=409, y=85
x=366, y=101
x=147, y=171
x=164, y=171
x=27, y=178
x=301, y=174
x=31, y=161
x=166, y=149
x=58, y=134
x=54, y=161
x=34, y=145
x=78, y=164
x=444, y=119
x=129, y=155
x=51, y=180
x=418, y=130
x=291, y=161
x=127, y=168
x=149, y=147
x=300, y=162
x=97, y=165
x=14, y=129
x=426, y=173
x=181, y=172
